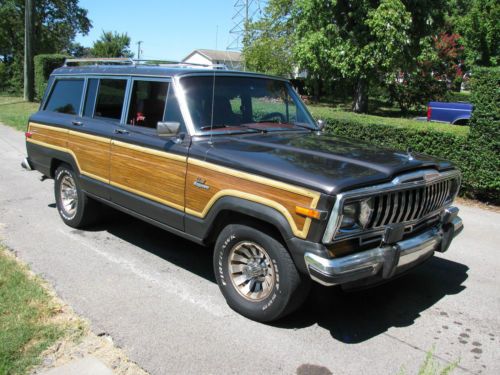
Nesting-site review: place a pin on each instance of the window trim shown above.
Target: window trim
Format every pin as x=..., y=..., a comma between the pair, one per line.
x=51, y=91
x=129, y=98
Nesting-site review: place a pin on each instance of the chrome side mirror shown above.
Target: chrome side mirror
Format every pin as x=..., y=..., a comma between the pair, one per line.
x=321, y=124
x=167, y=128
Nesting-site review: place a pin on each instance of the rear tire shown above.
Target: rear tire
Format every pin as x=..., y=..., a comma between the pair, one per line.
x=75, y=208
x=256, y=274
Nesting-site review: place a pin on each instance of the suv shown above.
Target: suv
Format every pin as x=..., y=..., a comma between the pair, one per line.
x=234, y=160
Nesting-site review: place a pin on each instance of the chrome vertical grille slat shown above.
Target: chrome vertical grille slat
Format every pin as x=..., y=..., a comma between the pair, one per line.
x=409, y=205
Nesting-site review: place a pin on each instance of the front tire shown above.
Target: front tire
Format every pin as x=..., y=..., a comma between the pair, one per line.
x=256, y=274
x=75, y=208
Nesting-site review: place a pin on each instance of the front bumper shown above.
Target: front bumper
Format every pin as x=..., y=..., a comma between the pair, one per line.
x=387, y=259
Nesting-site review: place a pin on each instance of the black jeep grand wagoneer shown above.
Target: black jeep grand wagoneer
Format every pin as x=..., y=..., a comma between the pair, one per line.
x=234, y=160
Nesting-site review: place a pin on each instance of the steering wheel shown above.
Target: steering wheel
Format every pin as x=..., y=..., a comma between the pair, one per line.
x=272, y=115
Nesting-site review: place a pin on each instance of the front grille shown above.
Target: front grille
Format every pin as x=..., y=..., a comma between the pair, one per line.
x=410, y=205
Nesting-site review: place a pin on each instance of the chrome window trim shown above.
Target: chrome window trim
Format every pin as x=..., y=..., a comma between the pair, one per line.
x=403, y=182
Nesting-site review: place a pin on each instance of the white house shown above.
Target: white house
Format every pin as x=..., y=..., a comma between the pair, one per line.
x=231, y=59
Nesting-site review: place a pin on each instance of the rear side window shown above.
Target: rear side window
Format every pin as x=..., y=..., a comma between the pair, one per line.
x=66, y=96
x=110, y=97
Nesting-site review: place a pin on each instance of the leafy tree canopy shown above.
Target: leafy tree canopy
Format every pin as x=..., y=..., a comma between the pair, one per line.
x=112, y=44
x=56, y=24
x=477, y=21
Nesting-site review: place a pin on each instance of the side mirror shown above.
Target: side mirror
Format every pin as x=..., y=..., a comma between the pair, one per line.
x=321, y=124
x=167, y=129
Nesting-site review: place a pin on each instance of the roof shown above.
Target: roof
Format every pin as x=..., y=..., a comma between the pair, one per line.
x=148, y=70
x=216, y=55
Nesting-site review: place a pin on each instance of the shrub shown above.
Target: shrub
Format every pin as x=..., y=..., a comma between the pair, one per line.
x=44, y=65
x=475, y=152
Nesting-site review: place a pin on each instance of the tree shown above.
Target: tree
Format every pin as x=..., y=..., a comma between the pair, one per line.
x=479, y=26
x=112, y=44
x=268, y=41
x=361, y=40
x=56, y=24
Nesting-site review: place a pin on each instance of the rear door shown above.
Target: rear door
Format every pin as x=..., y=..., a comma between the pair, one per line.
x=90, y=139
x=148, y=171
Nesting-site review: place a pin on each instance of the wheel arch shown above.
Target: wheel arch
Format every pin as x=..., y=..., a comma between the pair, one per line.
x=461, y=121
x=231, y=210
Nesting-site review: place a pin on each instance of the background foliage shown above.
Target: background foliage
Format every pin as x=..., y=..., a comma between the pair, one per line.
x=475, y=152
x=57, y=22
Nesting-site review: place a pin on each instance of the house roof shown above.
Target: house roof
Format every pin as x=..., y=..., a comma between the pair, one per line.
x=212, y=55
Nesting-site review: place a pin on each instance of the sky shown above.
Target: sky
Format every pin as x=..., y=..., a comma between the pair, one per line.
x=169, y=29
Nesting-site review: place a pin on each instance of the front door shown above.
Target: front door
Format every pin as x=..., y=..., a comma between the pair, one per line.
x=148, y=171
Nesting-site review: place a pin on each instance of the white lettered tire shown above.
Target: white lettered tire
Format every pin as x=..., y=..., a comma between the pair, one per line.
x=256, y=274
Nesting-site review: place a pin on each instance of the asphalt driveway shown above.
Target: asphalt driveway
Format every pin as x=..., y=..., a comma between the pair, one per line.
x=155, y=294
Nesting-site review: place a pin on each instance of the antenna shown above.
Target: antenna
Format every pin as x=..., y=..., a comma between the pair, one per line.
x=244, y=12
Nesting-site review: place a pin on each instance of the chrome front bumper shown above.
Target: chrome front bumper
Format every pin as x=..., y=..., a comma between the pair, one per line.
x=385, y=260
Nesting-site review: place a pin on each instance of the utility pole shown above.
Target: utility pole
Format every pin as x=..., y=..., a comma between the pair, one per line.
x=28, y=50
x=139, y=49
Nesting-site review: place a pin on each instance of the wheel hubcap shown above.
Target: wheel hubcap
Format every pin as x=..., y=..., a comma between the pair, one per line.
x=69, y=195
x=251, y=271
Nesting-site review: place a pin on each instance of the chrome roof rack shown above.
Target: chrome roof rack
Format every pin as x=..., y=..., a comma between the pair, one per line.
x=129, y=61
x=99, y=61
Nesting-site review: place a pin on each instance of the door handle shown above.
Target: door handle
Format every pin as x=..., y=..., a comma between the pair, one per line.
x=77, y=123
x=121, y=131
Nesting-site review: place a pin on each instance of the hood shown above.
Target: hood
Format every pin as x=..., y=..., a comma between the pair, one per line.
x=313, y=160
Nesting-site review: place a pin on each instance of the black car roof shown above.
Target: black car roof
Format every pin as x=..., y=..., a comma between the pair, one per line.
x=151, y=70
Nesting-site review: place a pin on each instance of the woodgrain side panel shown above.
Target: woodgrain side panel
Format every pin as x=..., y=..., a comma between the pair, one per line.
x=92, y=154
x=50, y=135
x=199, y=201
x=155, y=176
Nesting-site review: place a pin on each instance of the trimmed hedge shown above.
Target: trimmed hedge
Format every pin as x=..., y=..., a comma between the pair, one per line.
x=474, y=151
x=44, y=65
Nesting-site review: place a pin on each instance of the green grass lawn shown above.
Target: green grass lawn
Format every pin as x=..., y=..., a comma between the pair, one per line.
x=14, y=111
x=27, y=314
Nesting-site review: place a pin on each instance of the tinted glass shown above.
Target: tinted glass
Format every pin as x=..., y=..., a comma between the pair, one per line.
x=147, y=103
x=110, y=98
x=88, y=108
x=173, y=111
x=66, y=96
x=243, y=101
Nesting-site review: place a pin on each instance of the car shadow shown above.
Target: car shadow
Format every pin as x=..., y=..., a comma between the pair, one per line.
x=350, y=317
x=354, y=317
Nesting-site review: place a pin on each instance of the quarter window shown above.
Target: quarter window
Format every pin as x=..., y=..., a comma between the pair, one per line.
x=66, y=96
x=147, y=103
x=110, y=96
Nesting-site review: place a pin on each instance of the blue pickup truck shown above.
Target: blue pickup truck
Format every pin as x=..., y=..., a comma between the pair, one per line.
x=453, y=113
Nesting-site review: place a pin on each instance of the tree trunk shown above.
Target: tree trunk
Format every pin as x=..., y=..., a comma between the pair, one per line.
x=29, y=86
x=360, y=104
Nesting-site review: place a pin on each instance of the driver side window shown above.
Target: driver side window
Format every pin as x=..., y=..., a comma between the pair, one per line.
x=147, y=103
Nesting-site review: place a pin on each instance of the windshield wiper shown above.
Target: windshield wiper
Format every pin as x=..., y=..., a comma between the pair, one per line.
x=210, y=127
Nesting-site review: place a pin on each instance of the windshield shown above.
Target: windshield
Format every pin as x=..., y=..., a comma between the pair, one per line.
x=241, y=103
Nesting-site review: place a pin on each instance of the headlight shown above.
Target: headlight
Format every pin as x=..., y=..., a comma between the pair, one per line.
x=357, y=213
x=349, y=215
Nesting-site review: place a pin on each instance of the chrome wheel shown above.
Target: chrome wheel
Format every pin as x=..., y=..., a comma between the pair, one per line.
x=251, y=271
x=68, y=195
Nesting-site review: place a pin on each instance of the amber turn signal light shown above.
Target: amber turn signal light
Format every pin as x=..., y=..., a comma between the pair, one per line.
x=308, y=212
